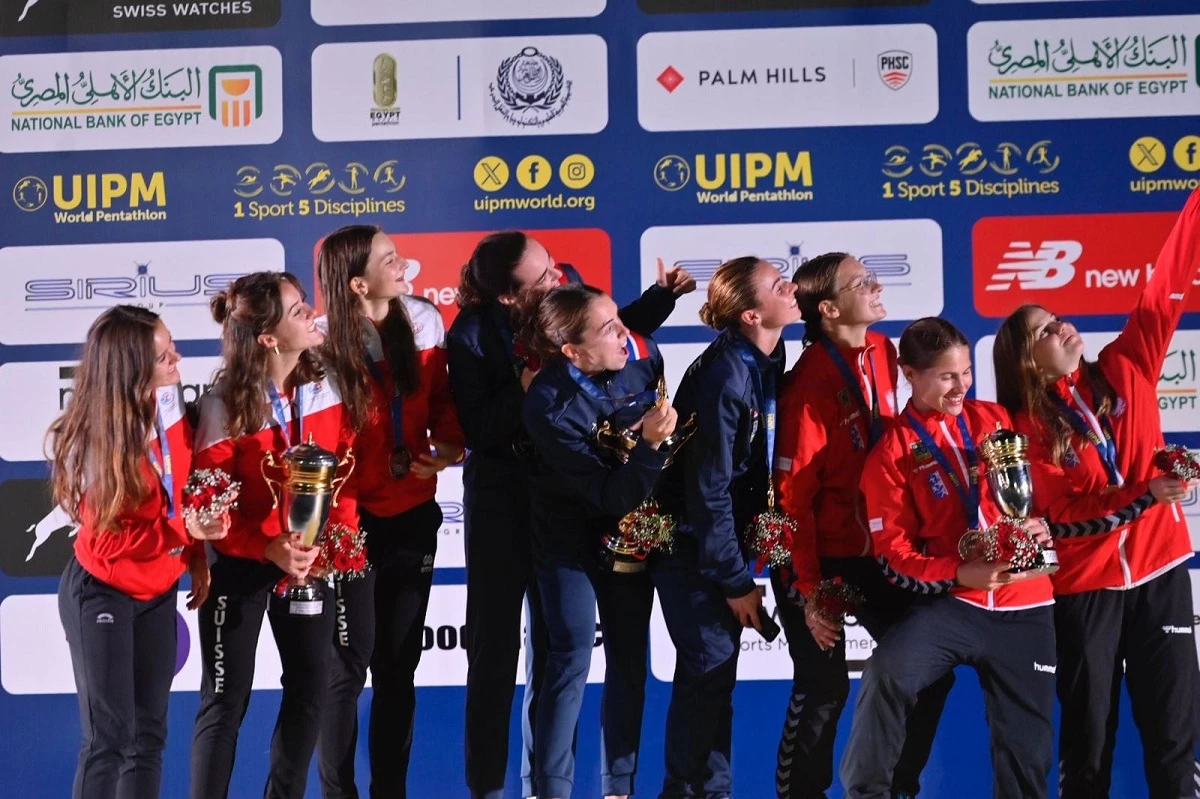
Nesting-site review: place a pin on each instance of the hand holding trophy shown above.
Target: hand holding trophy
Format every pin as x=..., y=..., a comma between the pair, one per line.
x=310, y=486
x=646, y=528
x=1009, y=479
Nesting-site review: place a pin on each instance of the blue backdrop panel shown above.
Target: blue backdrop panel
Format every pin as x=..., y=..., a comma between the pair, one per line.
x=975, y=154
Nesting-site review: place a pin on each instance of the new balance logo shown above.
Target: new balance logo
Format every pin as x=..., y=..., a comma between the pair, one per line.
x=1171, y=629
x=104, y=618
x=1050, y=266
x=1048, y=669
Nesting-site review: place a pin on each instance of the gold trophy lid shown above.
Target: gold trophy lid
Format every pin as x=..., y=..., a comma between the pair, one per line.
x=1002, y=444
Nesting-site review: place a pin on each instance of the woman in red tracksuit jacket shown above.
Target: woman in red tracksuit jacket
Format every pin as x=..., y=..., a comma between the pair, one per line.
x=271, y=394
x=832, y=407
x=923, y=492
x=1123, y=598
x=388, y=351
x=117, y=594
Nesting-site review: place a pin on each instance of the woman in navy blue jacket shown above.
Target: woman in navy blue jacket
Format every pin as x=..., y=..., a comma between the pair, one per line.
x=595, y=371
x=716, y=486
x=488, y=378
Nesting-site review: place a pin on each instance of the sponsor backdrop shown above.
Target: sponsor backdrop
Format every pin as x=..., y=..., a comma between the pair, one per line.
x=975, y=155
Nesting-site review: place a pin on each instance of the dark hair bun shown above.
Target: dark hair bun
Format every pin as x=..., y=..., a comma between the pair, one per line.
x=218, y=306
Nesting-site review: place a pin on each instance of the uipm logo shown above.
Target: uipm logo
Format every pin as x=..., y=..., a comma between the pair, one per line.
x=1051, y=265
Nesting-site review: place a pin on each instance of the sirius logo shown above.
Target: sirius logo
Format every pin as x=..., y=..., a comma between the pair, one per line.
x=67, y=293
x=891, y=269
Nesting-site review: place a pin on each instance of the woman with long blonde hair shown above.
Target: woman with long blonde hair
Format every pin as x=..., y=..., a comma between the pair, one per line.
x=122, y=450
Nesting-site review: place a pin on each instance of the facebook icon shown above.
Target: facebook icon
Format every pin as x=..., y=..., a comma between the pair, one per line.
x=534, y=166
x=1186, y=151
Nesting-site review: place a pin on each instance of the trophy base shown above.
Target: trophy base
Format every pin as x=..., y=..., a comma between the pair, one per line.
x=1047, y=563
x=627, y=566
x=621, y=559
x=305, y=599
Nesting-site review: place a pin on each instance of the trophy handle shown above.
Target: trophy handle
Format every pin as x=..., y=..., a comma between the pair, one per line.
x=663, y=397
x=268, y=459
x=338, y=483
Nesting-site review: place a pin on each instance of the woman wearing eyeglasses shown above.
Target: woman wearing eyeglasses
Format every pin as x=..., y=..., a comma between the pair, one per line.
x=489, y=376
x=833, y=406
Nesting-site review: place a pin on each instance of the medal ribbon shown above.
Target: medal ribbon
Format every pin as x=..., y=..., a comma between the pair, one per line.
x=279, y=415
x=164, y=469
x=875, y=429
x=968, y=495
x=595, y=392
x=764, y=392
x=397, y=401
x=1091, y=428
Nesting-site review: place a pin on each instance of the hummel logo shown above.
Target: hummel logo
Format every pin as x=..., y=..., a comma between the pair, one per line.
x=1170, y=629
x=104, y=618
x=1048, y=669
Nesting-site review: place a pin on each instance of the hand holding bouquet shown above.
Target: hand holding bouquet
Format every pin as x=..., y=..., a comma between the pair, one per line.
x=208, y=497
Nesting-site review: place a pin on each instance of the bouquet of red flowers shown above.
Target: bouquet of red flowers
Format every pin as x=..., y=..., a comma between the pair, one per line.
x=208, y=495
x=343, y=553
x=1006, y=540
x=833, y=600
x=648, y=529
x=1178, y=462
x=769, y=537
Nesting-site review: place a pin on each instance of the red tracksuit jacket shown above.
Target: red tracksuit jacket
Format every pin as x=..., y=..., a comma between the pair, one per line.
x=253, y=523
x=430, y=410
x=149, y=552
x=820, y=449
x=916, y=518
x=1079, y=489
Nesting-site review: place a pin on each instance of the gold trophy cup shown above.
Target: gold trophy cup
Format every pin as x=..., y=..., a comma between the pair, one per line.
x=1005, y=456
x=309, y=485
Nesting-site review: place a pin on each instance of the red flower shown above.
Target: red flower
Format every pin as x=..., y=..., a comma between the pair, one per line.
x=342, y=562
x=1178, y=462
x=834, y=600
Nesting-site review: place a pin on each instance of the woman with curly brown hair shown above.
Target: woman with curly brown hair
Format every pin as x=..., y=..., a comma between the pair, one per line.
x=272, y=393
